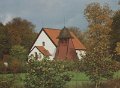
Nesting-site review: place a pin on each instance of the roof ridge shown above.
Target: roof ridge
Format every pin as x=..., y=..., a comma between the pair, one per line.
x=52, y=28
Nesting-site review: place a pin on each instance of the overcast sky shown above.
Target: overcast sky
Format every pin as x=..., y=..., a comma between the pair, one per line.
x=49, y=13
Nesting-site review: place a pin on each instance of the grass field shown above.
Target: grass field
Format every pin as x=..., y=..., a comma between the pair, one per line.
x=77, y=79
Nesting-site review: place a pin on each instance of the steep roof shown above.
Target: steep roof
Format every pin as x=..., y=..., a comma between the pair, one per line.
x=43, y=50
x=54, y=33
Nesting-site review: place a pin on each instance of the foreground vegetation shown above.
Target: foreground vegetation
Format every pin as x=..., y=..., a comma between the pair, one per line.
x=79, y=80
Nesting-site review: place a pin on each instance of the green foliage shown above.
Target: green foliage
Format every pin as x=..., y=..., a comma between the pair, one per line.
x=4, y=44
x=12, y=80
x=19, y=52
x=117, y=49
x=1, y=66
x=6, y=83
x=47, y=74
x=100, y=68
x=115, y=35
x=17, y=63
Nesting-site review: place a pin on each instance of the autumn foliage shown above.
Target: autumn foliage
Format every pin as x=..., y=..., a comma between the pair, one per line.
x=18, y=31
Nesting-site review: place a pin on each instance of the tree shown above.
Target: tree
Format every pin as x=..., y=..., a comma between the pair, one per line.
x=18, y=52
x=99, y=18
x=118, y=2
x=78, y=33
x=115, y=35
x=21, y=32
x=46, y=74
x=4, y=43
x=97, y=62
x=18, y=58
x=117, y=49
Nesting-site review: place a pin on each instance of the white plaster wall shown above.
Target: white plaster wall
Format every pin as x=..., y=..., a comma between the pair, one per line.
x=38, y=52
x=48, y=44
x=80, y=53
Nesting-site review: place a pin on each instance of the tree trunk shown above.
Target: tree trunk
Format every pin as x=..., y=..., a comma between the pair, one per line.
x=96, y=85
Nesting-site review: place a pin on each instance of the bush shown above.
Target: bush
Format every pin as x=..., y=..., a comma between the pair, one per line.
x=17, y=66
x=14, y=66
x=47, y=74
x=5, y=82
x=1, y=66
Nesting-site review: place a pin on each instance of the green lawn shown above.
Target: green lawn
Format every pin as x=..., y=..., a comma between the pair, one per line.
x=79, y=76
x=77, y=79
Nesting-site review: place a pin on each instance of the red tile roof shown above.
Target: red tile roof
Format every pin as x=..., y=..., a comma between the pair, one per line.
x=54, y=33
x=43, y=50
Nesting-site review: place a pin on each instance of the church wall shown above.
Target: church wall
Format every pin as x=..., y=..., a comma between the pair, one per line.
x=35, y=50
x=48, y=44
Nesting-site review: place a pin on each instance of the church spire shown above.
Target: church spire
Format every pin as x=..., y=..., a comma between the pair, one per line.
x=64, y=34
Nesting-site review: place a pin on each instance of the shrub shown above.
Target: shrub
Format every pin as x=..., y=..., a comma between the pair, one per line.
x=47, y=74
x=5, y=82
x=17, y=66
x=19, y=52
x=1, y=66
x=14, y=66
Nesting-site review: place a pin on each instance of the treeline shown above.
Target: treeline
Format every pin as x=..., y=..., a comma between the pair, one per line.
x=17, y=32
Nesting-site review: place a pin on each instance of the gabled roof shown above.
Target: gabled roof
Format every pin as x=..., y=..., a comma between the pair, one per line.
x=54, y=33
x=43, y=50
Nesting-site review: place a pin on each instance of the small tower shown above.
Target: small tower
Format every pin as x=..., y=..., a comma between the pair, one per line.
x=65, y=49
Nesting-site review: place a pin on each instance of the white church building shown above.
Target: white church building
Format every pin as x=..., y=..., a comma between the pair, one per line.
x=46, y=43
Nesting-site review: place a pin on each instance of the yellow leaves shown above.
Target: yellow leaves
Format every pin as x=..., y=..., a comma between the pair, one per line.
x=95, y=13
x=117, y=49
